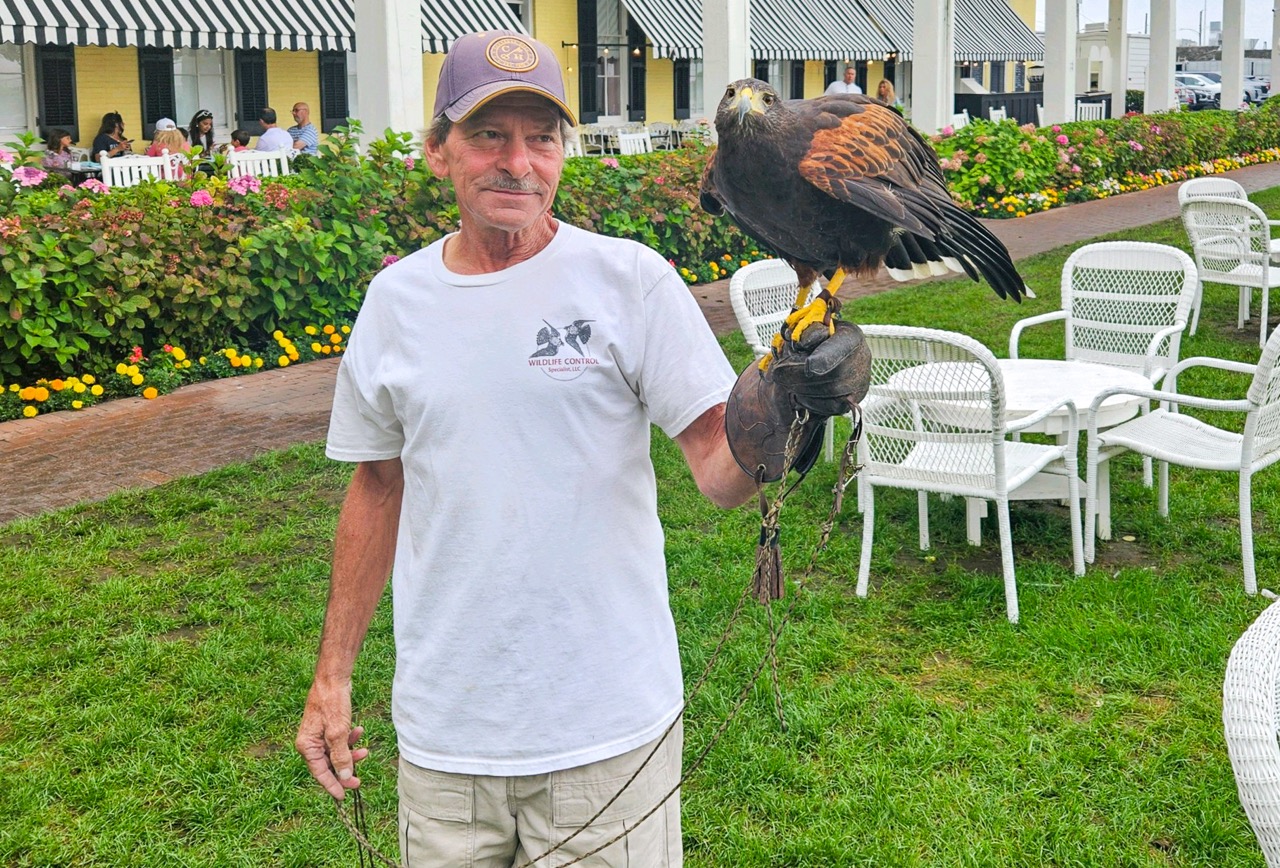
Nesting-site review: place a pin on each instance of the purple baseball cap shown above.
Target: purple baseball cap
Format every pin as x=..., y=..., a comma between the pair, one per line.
x=481, y=66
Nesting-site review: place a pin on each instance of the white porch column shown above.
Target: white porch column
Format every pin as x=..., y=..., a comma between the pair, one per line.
x=1232, y=54
x=726, y=49
x=389, y=66
x=933, y=65
x=1274, y=72
x=1163, y=56
x=1061, y=21
x=1118, y=46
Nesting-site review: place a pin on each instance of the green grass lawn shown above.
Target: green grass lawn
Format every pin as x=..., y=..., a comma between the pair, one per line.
x=156, y=648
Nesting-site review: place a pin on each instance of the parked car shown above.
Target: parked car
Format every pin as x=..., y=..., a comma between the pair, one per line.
x=1185, y=96
x=1255, y=90
x=1206, y=90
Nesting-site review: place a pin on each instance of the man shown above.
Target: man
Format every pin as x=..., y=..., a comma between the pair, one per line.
x=273, y=138
x=846, y=86
x=511, y=486
x=305, y=136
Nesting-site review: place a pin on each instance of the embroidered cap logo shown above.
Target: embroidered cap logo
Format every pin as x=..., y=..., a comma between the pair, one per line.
x=512, y=54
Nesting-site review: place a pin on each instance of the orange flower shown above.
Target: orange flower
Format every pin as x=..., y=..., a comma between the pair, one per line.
x=149, y=392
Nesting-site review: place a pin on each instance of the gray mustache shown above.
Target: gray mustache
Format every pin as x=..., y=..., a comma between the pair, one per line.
x=504, y=182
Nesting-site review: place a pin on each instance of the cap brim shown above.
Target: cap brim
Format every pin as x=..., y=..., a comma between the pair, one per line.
x=465, y=106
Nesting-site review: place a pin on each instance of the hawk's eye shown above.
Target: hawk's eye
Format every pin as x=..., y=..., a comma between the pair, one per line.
x=729, y=91
x=768, y=99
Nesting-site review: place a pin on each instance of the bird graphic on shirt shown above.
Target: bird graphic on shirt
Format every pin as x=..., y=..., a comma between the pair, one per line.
x=841, y=184
x=549, y=341
x=576, y=331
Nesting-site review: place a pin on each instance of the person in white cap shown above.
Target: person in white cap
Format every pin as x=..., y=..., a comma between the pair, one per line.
x=167, y=139
x=506, y=477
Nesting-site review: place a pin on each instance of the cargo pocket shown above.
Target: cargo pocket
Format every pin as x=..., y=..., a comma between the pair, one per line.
x=437, y=813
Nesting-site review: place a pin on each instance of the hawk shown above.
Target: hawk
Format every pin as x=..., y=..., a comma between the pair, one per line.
x=839, y=185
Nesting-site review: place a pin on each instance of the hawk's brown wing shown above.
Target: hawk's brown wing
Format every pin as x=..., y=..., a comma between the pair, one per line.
x=864, y=154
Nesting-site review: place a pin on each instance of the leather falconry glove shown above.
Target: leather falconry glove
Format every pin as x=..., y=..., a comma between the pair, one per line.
x=826, y=377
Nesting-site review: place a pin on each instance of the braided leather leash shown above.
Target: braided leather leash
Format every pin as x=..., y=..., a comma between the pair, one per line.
x=357, y=824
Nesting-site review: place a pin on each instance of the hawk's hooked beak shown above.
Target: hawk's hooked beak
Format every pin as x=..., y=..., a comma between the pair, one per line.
x=746, y=102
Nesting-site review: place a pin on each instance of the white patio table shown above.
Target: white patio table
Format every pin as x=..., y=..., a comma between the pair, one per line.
x=1031, y=384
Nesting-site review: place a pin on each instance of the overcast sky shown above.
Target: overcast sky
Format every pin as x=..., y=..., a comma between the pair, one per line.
x=1257, y=16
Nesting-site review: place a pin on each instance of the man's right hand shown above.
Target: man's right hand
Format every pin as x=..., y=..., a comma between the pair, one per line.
x=327, y=741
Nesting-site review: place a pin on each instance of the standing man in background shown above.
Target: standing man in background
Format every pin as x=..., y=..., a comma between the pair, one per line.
x=846, y=86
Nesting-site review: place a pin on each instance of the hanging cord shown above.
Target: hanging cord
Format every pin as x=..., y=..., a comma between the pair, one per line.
x=847, y=471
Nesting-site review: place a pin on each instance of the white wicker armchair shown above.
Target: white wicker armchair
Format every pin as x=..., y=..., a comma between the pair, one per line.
x=935, y=421
x=1171, y=437
x=1251, y=722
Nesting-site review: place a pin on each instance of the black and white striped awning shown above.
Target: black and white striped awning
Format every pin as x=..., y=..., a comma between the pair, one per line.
x=443, y=22
x=673, y=27
x=984, y=30
x=282, y=25
x=803, y=30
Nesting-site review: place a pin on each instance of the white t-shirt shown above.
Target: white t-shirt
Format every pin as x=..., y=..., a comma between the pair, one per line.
x=275, y=139
x=532, y=624
x=840, y=87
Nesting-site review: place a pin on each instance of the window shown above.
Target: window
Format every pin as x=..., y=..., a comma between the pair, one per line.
x=829, y=73
x=637, y=56
x=199, y=82
x=13, y=92
x=251, y=88
x=334, y=104
x=608, y=53
x=760, y=70
x=1020, y=76
x=682, y=95
x=155, y=74
x=587, y=112
x=996, y=85
x=56, y=86
x=797, y=79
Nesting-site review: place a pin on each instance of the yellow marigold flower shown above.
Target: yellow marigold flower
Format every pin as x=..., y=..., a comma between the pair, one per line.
x=293, y=355
x=726, y=257
x=325, y=349
x=310, y=330
x=14, y=387
x=122, y=369
x=693, y=278
x=76, y=405
x=149, y=392
x=133, y=370
x=277, y=334
x=28, y=394
x=335, y=339
x=96, y=390
x=315, y=347
x=329, y=329
x=203, y=360
x=743, y=263
x=79, y=388
x=257, y=363
x=186, y=363
x=179, y=353
x=137, y=379
x=346, y=329
x=29, y=411
x=283, y=361
x=235, y=361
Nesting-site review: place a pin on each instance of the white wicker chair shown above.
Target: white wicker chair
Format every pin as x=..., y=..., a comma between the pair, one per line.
x=935, y=422
x=1231, y=240
x=129, y=171
x=762, y=294
x=634, y=143
x=1217, y=185
x=1124, y=303
x=1171, y=437
x=1251, y=723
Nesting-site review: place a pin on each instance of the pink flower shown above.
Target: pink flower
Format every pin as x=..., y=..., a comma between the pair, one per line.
x=168, y=348
x=94, y=185
x=1062, y=140
x=610, y=162
x=390, y=259
x=659, y=180
x=981, y=158
x=245, y=184
x=948, y=130
x=409, y=164
x=29, y=176
x=201, y=198
x=65, y=189
x=1076, y=170
x=6, y=157
x=1056, y=128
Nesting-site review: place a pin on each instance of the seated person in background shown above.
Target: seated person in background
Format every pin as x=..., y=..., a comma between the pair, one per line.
x=167, y=137
x=57, y=155
x=240, y=140
x=200, y=131
x=273, y=138
x=110, y=137
x=886, y=95
x=305, y=137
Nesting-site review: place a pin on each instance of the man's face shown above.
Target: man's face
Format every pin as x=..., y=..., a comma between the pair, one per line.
x=848, y=76
x=504, y=161
x=301, y=114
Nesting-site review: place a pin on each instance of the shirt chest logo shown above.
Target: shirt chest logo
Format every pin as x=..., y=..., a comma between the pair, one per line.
x=564, y=352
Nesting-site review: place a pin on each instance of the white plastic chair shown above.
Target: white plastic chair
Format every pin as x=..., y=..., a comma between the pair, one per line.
x=129, y=171
x=1091, y=111
x=997, y=115
x=1039, y=115
x=634, y=143
x=573, y=144
x=263, y=164
x=762, y=294
x=935, y=423
x=1231, y=241
x=1171, y=437
x=660, y=135
x=1251, y=723
x=1217, y=185
x=959, y=120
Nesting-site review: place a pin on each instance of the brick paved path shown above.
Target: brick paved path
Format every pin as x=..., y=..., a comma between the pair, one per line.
x=65, y=458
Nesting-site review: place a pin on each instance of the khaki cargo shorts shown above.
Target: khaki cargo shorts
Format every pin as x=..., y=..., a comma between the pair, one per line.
x=479, y=821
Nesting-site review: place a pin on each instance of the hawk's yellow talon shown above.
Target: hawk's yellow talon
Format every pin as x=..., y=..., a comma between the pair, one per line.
x=814, y=312
x=765, y=361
